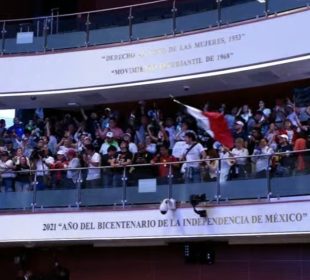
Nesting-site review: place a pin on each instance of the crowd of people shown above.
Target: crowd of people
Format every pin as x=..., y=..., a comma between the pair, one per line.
x=49, y=150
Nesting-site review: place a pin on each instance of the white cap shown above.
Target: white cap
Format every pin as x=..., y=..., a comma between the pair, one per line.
x=110, y=134
x=284, y=136
x=240, y=123
x=61, y=152
x=267, y=112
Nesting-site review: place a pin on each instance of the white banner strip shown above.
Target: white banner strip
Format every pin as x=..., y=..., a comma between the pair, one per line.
x=261, y=219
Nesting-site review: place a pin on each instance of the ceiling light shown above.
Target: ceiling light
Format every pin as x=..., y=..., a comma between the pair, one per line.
x=73, y=104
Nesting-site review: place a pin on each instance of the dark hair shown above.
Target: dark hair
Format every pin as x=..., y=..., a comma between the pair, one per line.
x=112, y=148
x=191, y=134
x=165, y=145
x=89, y=147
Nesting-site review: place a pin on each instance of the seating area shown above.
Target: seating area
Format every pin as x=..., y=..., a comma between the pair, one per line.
x=143, y=154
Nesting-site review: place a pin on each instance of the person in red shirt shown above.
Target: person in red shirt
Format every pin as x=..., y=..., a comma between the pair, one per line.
x=163, y=169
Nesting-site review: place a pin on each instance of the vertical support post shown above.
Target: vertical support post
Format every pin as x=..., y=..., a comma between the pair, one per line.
x=34, y=196
x=45, y=33
x=38, y=27
x=130, y=19
x=3, y=31
x=124, y=185
x=87, y=24
x=170, y=178
x=266, y=8
x=268, y=177
x=78, y=190
x=54, y=20
x=174, y=19
x=218, y=182
x=57, y=20
x=219, y=12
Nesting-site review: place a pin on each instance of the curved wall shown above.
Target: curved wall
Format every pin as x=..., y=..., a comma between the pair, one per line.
x=263, y=41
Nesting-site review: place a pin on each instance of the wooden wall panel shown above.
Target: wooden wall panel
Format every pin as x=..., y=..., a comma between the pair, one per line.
x=276, y=262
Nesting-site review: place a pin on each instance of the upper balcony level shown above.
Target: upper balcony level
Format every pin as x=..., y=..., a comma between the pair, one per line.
x=242, y=54
x=132, y=23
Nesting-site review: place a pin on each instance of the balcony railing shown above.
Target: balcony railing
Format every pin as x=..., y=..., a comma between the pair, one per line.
x=254, y=178
x=131, y=23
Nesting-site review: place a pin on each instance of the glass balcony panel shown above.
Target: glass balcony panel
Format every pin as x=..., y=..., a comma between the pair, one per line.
x=145, y=185
x=16, y=190
x=109, y=27
x=102, y=187
x=225, y=179
x=152, y=20
x=16, y=200
x=196, y=14
x=24, y=37
x=235, y=11
x=66, y=32
x=290, y=174
x=193, y=179
x=276, y=6
x=244, y=178
x=55, y=189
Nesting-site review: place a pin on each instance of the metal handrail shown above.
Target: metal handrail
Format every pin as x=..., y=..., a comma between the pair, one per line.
x=125, y=169
x=87, y=12
x=167, y=163
x=44, y=25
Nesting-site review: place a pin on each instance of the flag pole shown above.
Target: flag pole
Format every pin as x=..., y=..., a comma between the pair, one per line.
x=175, y=100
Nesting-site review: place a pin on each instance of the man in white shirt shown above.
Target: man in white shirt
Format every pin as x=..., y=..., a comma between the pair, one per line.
x=92, y=160
x=194, y=151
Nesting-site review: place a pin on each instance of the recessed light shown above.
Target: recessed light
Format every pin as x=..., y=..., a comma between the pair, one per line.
x=73, y=104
